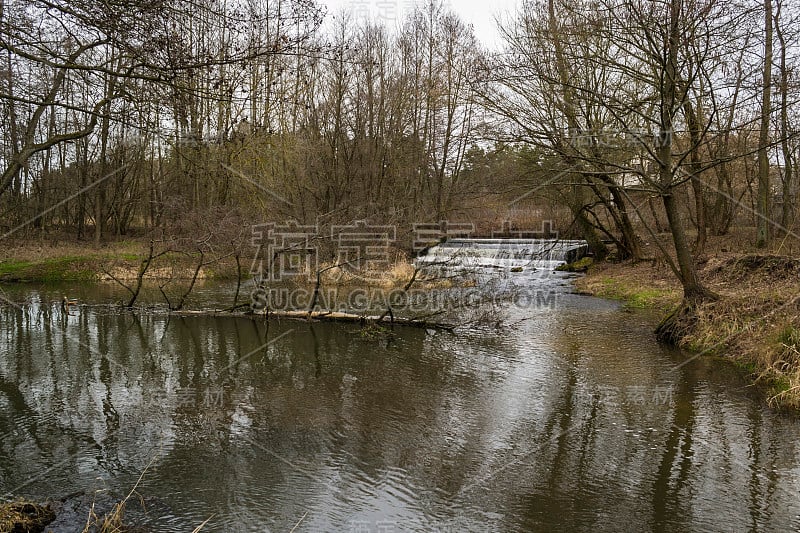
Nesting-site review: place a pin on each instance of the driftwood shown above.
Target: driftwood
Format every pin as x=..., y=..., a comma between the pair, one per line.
x=322, y=316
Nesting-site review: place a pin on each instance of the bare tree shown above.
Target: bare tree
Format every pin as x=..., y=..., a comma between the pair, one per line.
x=763, y=203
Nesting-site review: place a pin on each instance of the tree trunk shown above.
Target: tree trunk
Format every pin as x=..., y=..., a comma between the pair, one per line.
x=695, y=164
x=692, y=287
x=763, y=201
x=787, y=214
x=589, y=233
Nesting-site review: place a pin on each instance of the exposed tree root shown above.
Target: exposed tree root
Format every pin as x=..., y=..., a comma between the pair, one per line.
x=682, y=320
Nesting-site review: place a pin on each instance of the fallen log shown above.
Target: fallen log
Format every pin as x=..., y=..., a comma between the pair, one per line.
x=323, y=316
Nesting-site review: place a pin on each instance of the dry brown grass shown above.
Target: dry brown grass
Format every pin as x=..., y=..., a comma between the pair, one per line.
x=114, y=520
x=24, y=517
x=396, y=275
x=399, y=273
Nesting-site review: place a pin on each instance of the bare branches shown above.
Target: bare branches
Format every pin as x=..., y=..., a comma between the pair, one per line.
x=144, y=266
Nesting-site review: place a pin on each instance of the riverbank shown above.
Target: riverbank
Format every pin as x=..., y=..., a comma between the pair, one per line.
x=121, y=262
x=755, y=323
x=30, y=262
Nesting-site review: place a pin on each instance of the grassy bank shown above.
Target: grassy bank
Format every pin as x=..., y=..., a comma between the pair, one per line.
x=755, y=323
x=76, y=262
x=84, y=262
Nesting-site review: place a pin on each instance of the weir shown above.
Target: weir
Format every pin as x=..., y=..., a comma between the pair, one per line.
x=503, y=253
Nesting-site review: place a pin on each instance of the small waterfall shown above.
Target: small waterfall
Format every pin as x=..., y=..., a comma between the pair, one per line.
x=502, y=253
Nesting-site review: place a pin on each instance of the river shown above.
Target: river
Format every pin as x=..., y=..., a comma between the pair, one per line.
x=573, y=418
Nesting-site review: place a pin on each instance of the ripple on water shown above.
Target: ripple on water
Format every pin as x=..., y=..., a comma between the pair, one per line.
x=574, y=419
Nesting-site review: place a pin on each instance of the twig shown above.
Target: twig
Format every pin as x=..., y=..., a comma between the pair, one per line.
x=201, y=526
x=298, y=523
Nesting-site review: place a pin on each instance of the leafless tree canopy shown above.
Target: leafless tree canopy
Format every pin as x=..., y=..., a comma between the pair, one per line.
x=631, y=118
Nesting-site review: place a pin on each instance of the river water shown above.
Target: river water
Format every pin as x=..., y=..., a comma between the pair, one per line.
x=571, y=419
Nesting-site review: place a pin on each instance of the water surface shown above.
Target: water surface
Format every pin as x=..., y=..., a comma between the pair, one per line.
x=573, y=419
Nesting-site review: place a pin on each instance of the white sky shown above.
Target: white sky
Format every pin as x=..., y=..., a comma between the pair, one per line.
x=480, y=13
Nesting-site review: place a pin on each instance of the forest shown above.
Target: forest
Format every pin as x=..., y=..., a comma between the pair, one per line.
x=646, y=127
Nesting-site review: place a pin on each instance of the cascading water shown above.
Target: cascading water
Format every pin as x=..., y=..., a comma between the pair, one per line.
x=503, y=253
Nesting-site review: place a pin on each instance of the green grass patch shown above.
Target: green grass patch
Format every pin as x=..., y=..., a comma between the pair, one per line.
x=635, y=297
x=581, y=265
x=789, y=336
x=127, y=257
x=645, y=298
x=779, y=385
x=75, y=265
x=12, y=267
x=69, y=268
x=746, y=366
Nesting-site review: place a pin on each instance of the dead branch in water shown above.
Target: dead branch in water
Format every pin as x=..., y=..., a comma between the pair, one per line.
x=143, y=268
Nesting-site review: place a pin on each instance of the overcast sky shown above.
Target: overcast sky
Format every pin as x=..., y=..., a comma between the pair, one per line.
x=480, y=13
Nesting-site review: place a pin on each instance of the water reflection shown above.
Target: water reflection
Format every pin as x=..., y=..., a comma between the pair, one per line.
x=575, y=419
